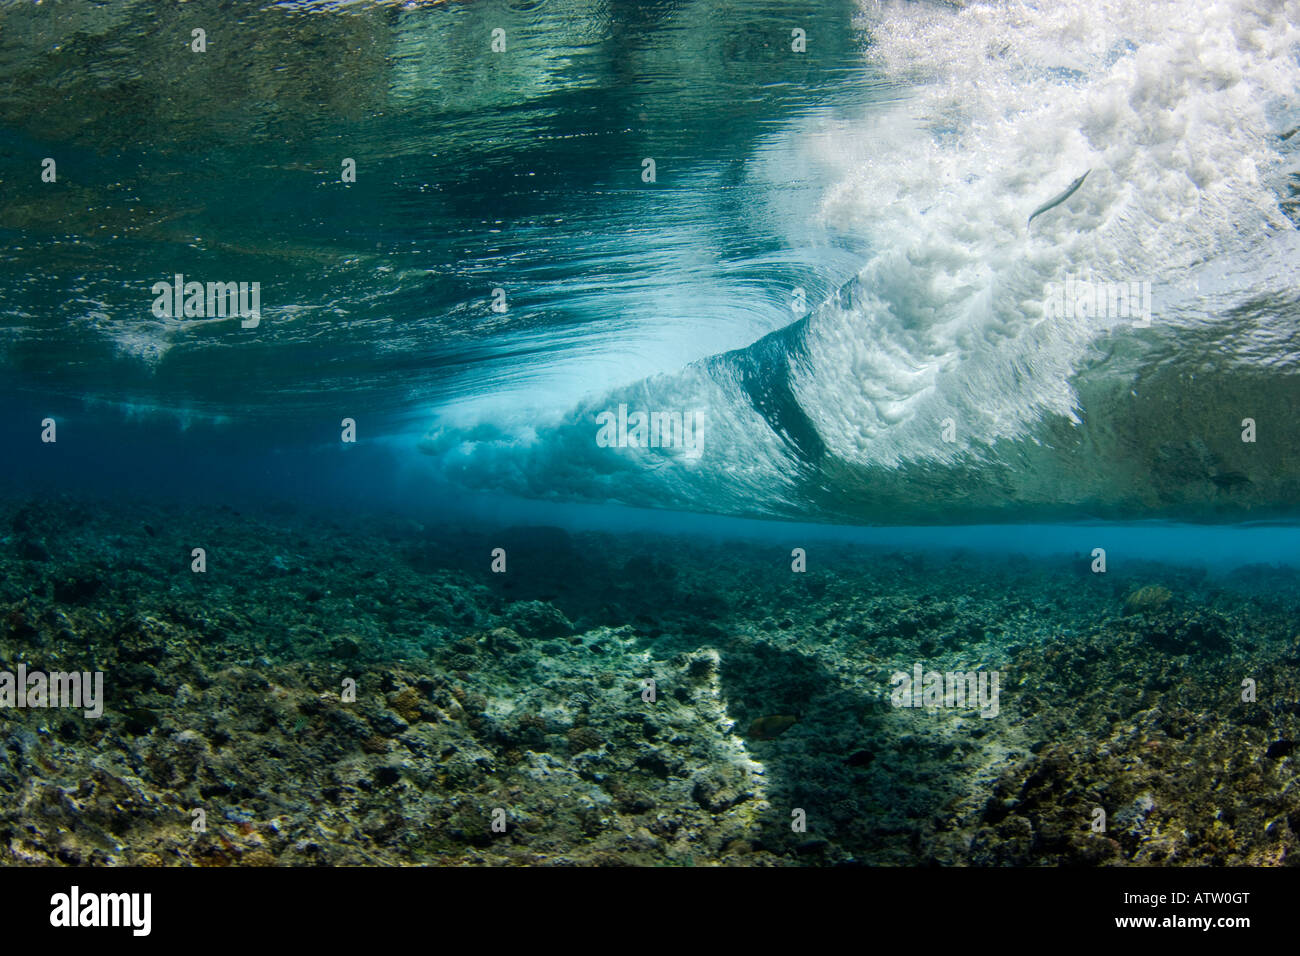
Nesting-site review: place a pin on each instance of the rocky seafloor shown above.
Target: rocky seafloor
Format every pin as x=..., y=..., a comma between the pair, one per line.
x=503, y=719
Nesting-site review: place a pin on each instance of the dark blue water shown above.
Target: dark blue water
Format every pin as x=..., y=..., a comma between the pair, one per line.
x=829, y=269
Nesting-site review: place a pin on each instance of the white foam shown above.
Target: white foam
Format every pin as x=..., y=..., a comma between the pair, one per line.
x=1166, y=102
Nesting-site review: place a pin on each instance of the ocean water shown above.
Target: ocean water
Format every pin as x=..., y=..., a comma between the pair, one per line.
x=626, y=404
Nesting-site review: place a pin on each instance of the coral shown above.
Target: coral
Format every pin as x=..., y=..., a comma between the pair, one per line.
x=232, y=700
x=408, y=703
x=583, y=738
x=1149, y=598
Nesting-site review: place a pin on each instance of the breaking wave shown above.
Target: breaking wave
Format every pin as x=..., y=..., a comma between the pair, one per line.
x=942, y=381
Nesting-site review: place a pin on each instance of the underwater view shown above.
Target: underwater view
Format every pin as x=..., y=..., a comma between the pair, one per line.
x=669, y=433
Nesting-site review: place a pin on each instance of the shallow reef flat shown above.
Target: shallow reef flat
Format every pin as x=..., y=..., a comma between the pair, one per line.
x=506, y=718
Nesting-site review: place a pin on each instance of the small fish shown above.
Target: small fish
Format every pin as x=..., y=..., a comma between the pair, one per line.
x=773, y=725
x=1056, y=201
x=1230, y=479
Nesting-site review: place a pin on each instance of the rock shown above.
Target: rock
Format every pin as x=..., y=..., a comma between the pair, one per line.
x=1149, y=598
x=1175, y=634
x=719, y=788
x=584, y=738
x=861, y=758
x=812, y=845
x=538, y=620
x=345, y=648
x=31, y=549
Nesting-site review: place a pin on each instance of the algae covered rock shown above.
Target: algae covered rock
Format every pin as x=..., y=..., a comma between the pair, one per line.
x=1149, y=598
x=537, y=619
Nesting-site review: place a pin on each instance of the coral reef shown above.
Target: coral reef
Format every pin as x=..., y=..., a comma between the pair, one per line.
x=382, y=697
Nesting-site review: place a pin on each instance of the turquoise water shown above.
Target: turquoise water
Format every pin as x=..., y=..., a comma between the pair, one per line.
x=794, y=237
x=830, y=268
